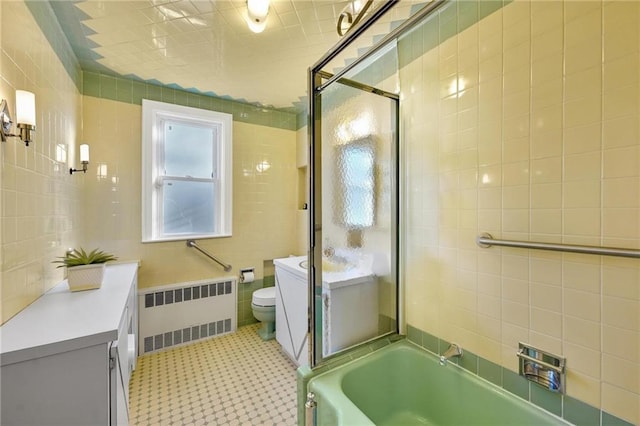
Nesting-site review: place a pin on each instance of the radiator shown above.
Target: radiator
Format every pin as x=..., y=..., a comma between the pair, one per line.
x=185, y=313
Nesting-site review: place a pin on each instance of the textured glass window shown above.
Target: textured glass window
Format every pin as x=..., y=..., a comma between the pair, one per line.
x=187, y=173
x=190, y=178
x=188, y=207
x=355, y=179
x=189, y=150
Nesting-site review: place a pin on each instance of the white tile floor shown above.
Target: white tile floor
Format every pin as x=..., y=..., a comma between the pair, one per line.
x=235, y=379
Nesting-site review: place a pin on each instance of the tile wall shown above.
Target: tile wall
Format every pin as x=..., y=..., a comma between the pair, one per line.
x=264, y=214
x=45, y=210
x=524, y=121
x=40, y=203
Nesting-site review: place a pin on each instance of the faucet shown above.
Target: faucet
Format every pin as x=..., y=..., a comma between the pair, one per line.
x=453, y=351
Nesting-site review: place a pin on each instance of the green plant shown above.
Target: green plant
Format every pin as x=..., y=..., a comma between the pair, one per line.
x=81, y=257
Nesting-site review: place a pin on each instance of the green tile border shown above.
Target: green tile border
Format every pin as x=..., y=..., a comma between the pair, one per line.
x=132, y=91
x=414, y=335
x=469, y=362
x=565, y=406
x=609, y=420
x=490, y=371
x=546, y=400
x=515, y=383
x=579, y=413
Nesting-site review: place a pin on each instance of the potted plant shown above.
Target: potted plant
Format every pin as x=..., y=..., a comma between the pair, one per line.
x=85, y=270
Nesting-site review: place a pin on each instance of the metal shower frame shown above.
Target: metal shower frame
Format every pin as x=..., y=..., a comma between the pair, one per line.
x=316, y=75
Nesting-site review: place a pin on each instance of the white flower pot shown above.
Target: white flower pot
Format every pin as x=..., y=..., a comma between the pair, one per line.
x=85, y=277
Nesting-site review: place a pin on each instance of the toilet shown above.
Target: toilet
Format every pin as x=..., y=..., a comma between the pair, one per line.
x=263, y=304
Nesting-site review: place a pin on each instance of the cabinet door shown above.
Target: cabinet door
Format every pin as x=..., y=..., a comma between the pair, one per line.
x=119, y=386
x=69, y=388
x=292, y=315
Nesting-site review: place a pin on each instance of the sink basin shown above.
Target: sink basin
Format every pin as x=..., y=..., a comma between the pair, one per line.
x=335, y=264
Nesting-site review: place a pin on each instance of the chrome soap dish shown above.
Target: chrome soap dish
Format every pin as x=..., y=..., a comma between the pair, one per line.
x=542, y=367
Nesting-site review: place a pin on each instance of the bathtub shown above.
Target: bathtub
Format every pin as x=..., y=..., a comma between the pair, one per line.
x=402, y=384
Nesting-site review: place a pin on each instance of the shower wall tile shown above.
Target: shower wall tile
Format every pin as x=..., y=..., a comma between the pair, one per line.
x=621, y=373
x=619, y=401
x=540, y=103
x=620, y=23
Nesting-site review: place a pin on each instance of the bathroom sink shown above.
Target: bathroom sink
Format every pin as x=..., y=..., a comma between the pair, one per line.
x=335, y=264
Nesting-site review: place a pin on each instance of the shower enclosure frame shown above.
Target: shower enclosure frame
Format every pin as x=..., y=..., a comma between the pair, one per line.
x=316, y=75
x=315, y=287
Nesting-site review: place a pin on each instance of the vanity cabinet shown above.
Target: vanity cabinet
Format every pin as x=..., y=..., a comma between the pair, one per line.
x=67, y=358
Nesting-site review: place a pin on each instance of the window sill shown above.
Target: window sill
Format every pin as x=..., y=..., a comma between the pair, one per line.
x=184, y=238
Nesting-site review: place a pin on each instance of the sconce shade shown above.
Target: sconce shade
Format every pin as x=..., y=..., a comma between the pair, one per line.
x=84, y=153
x=84, y=159
x=25, y=107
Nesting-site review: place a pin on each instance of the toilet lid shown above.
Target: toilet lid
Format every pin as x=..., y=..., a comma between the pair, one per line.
x=264, y=297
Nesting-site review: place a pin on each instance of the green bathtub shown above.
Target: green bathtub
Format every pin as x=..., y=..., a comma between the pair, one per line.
x=404, y=385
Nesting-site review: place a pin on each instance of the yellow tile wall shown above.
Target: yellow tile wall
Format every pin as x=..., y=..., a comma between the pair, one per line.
x=302, y=160
x=264, y=204
x=45, y=210
x=40, y=203
x=526, y=125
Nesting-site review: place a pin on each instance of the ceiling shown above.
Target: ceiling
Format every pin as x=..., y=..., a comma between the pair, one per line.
x=206, y=46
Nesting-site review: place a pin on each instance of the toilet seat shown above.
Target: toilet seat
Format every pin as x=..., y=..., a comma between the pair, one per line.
x=264, y=297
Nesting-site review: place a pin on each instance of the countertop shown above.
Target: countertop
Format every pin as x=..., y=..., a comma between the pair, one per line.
x=330, y=280
x=61, y=320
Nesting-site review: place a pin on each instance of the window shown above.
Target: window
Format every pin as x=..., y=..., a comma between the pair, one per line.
x=186, y=172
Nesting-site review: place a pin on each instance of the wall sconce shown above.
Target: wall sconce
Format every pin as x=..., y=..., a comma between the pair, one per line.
x=84, y=159
x=257, y=11
x=25, y=116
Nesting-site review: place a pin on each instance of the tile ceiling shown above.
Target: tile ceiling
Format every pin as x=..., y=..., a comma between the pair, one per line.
x=206, y=46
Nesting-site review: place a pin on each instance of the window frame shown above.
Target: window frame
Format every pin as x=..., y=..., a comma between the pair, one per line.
x=154, y=113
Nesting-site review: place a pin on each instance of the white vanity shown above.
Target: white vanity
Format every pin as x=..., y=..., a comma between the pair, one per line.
x=349, y=307
x=66, y=359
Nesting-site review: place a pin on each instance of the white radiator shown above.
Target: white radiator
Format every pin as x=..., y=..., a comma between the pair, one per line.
x=184, y=313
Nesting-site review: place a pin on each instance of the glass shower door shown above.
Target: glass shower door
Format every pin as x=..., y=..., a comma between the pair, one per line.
x=354, y=165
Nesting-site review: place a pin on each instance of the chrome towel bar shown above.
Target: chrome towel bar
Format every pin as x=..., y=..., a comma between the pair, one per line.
x=226, y=266
x=486, y=240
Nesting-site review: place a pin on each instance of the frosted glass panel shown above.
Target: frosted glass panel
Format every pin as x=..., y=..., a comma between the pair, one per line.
x=189, y=150
x=188, y=207
x=358, y=133
x=354, y=192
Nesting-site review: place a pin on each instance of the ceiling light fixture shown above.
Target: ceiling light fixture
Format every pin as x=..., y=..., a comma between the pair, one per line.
x=257, y=11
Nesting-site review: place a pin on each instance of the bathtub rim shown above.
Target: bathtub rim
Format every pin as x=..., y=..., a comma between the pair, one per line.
x=348, y=413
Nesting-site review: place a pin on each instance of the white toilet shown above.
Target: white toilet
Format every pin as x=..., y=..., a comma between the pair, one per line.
x=263, y=304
